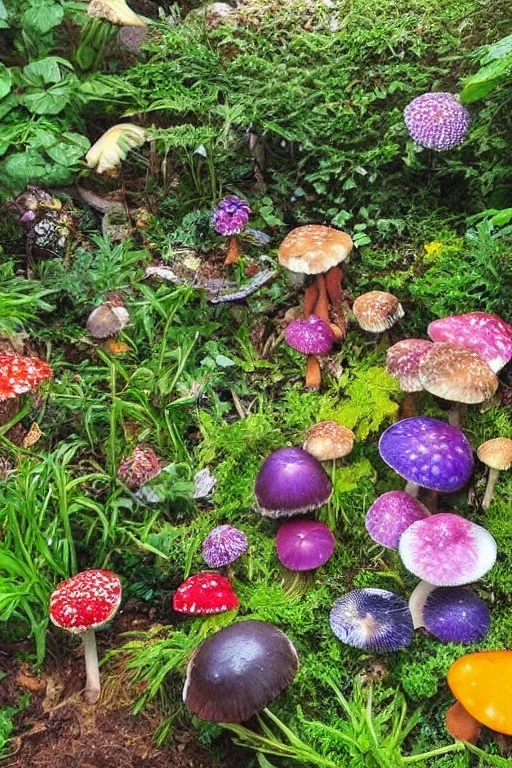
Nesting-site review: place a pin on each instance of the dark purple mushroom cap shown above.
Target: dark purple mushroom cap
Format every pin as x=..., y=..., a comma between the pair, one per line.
x=238, y=671
x=291, y=482
x=390, y=515
x=428, y=452
x=303, y=545
x=456, y=615
x=224, y=545
x=373, y=619
x=482, y=332
x=311, y=337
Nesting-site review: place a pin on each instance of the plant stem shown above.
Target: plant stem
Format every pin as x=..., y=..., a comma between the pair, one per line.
x=459, y=746
x=489, y=491
x=412, y=489
x=92, y=672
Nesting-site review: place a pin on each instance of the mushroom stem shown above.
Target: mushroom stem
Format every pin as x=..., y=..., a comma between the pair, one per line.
x=408, y=406
x=489, y=491
x=333, y=280
x=92, y=672
x=233, y=253
x=461, y=725
x=313, y=373
x=322, y=305
x=412, y=489
x=310, y=299
x=430, y=501
x=456, y=415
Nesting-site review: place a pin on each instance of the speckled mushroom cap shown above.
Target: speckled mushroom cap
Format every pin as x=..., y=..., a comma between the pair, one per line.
x=428, y=452
x=314, y=249
x=19, y=374
x=390, y=515
x=456, y=373
x=377, y=311
x=223, y=545
x=312, y=336
x=437, y=120
x=403, y=360
x=328, y=440
x=86, y=601
x=496, y=453
x=482, y=332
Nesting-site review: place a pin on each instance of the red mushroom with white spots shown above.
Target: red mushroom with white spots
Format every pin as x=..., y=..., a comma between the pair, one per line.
x=205, y=593
x=20, y=374
x=81, y=605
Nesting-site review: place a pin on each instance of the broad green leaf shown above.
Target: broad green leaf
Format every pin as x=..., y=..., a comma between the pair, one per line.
x=502, y=217
x=49, y=102
x=500, y=49
x=70, y=149
x=45, y=71
x=42, y=16
x=485, y=80
x=5, y=81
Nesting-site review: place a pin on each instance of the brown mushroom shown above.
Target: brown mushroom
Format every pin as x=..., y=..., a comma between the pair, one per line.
x=402, y=362
x=497, y=455
x=328, y=440
x=377, y=311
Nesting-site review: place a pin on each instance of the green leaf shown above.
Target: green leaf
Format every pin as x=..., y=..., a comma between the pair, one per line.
x=500, y=49
x=49, y=102
x=45, y=71
x=485, y=80
x=42, y=16
x=5, y=80
x=70, y=149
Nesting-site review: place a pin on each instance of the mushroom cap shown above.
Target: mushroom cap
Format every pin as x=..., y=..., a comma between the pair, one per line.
x=19, y=374
x=447, y=550
x=482, y=682
x=374, y=619
x=303, y=545
x=377, y=311
x=390, y=515
x=428, y=452
x=231, y=216
x=204, y=593
x=311, y=337
x=437, y=120
x=224, y=545
x=107, y=320
x=86, y=601
x=461, y=725
x=291, y=482
x=496, y=453
x=456, y=615
x=142, y=466
x=314, y=248
x=417, y=602
x=403, y=360
x=328, y=440
x=238, y=671
x=484, y=333
x=456, y=373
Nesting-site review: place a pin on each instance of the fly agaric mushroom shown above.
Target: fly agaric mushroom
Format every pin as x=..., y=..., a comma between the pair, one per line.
x=447, y=550
x=457, y=374
x=402, y=362
x=437, y=120
x=497, y=455
x=429, y=453
x=311, y=337
x=303, y=545
x=142, y=466
x=205, y=593
x=238, y=671
x=291, y=482
x=224, y=545
x=328, y=440
x=377, y=311
x=229, y=219
x=108, y=319
x=20, y=374
x=390, y=515
x=373, y=619
x=484, y=333
x=82, y=604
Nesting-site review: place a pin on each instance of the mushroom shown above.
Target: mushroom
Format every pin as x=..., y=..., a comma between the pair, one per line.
x=373, y=619
x=303, y=545
x=142, y=466
x=20, y=374
x=461, y=725
x=108, y=319
x=328, y=440
x=447, y=550
x=238, y=671
x=497, y=455
x=402, y=362
x=457, y=374
x=223, y=546
x=481, y=682
x=456, y=615
x=82, y=604
x=291, y=482
x=437, y=120
x=417, y=601
x=390, y=515
x=311, y=337
x=229, y=219
x=205, y=593
x=427, y=452
x=486, y=334
x=377, y=311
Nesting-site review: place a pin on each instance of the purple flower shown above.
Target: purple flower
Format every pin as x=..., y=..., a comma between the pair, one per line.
x=437, y=120
x=230, y=216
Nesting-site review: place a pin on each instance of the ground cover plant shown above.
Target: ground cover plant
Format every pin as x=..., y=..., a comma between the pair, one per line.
x=297, y=111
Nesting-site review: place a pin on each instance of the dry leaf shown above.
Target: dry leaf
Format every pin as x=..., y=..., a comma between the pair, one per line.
x=32, y=435
x=115, y=11
x=111, y=148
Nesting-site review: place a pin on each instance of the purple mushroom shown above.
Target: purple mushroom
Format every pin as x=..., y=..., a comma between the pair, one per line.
x=390, y=515
x=427, y=452
x=303, y=545
x=437, y=120
x=447, y=550
x=229, y=219
x=291, y=482
x=311, y=337
x=481, y=332
x=224, y=545
x=456, y=615
x=373, y=619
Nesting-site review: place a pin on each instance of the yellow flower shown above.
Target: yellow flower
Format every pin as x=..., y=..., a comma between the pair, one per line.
x=434, y=248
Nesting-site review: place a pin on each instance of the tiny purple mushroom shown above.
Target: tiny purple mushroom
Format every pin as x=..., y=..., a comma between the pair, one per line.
x=224, y=545
x=456, y=615
x=303, y=545
x=231, y=216
x=429, y=453
x=437, y=120
x=447, y=550
x=291, y=482
x=390, y=515
x=311, y=337
x=481, y=332
x=373, y=619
